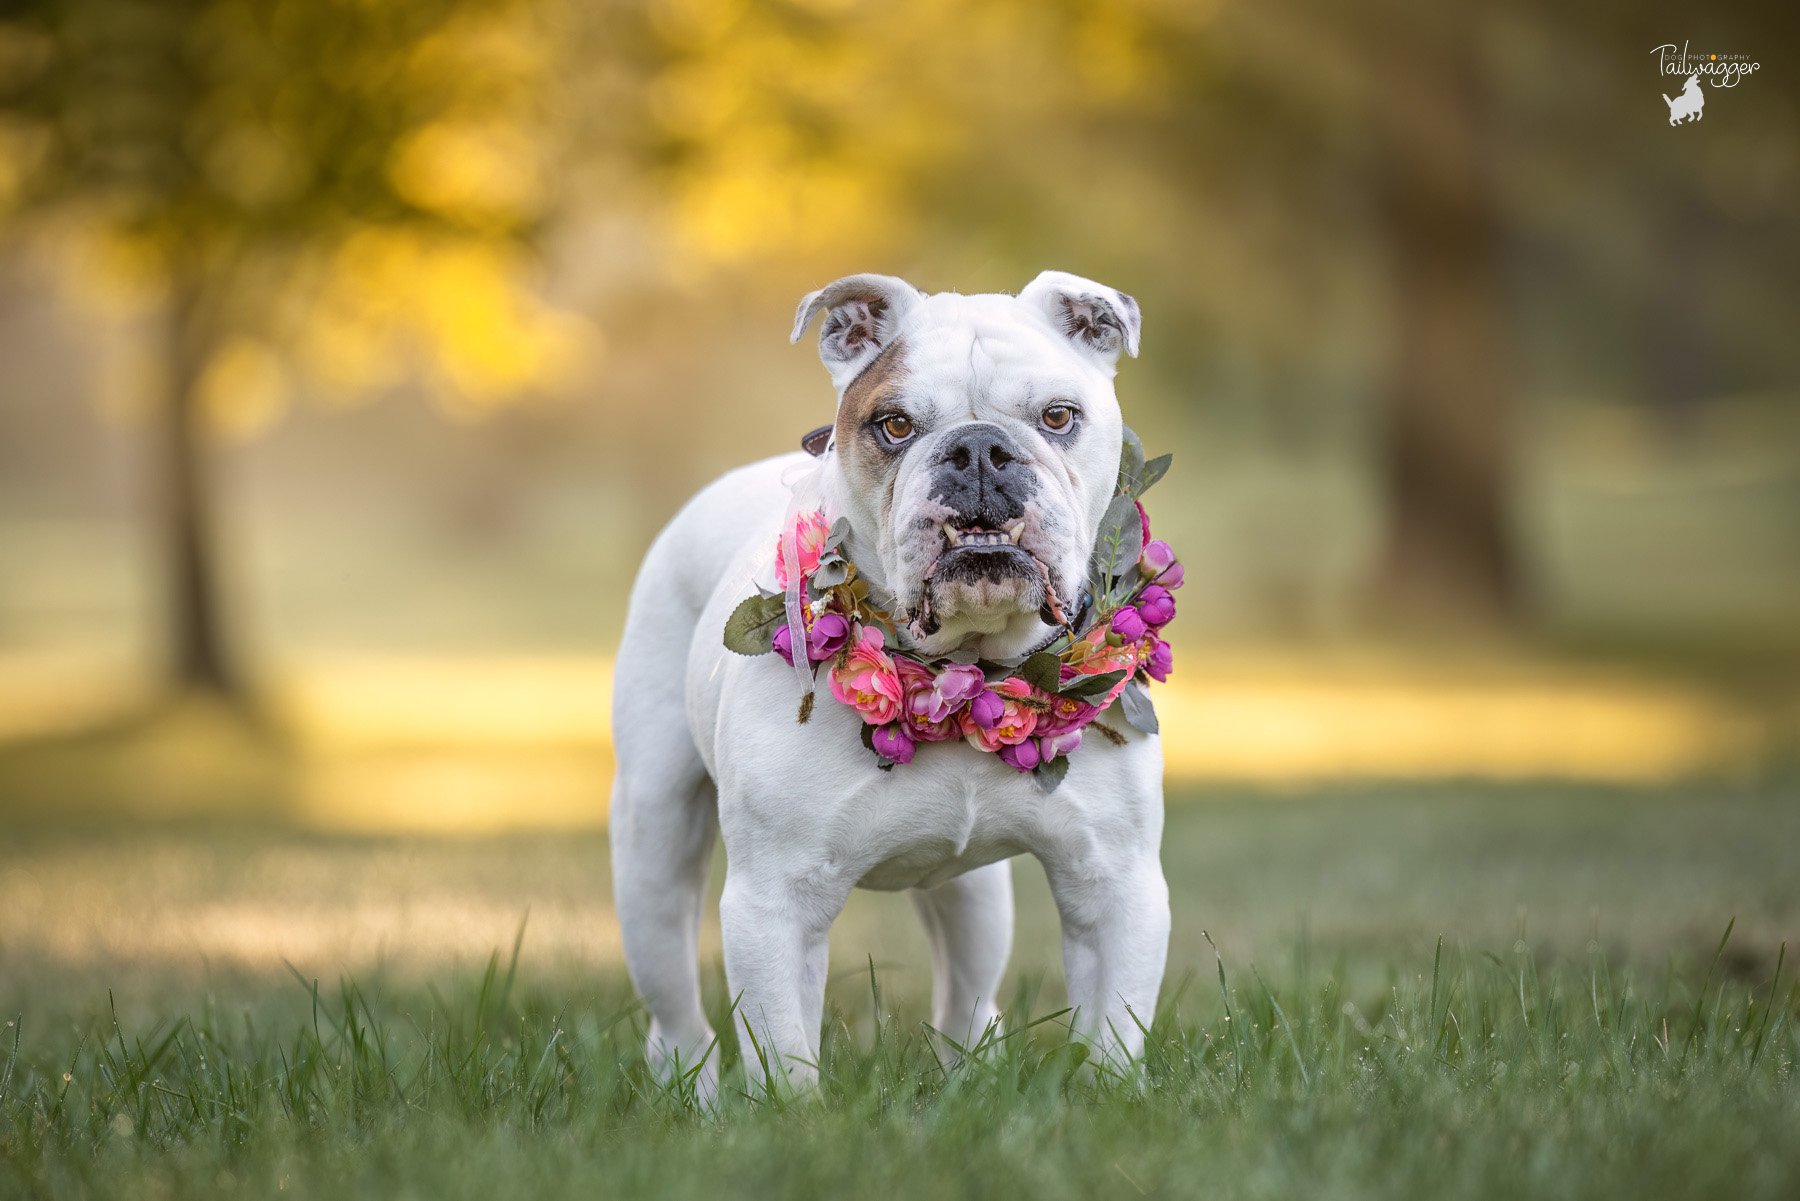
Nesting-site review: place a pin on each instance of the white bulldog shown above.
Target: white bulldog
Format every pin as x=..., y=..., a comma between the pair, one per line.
x=975, y=451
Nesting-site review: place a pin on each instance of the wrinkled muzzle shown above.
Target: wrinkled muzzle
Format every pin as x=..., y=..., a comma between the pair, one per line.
x=987, y=535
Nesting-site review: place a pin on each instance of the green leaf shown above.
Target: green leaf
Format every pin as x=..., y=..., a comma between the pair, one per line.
x=1084, y=688
x=1121, y=539
x=831, y=574
x=1043, y=671
x=1152, y=471
x=1139, y=710
x=840, y=530
x=1131, y=459
x=750, y=630
x=1049, y=773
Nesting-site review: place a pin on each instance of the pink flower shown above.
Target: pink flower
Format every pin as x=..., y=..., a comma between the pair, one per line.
x=868, y=681
x=1156, y=605
x=1172, y=577
x=920, y=707
x=1162, y=661
x=1128, y=624
x=810, y=532
x=1157, y=558
x=1066, y=713
x=829, y=633
x=1144, y=521
x=784, y=644
x=1021, y=756
x=893, y=742
x=954, y=685
x=1012, y=725
x=1065, y=743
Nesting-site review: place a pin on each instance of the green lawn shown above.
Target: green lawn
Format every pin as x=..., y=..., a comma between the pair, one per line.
x=1578, y=1032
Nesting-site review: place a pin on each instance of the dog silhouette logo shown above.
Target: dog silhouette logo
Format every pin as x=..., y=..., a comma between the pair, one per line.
x=1687, y=106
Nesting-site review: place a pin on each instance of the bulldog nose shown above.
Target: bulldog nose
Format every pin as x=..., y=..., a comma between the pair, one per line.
x=981, y=477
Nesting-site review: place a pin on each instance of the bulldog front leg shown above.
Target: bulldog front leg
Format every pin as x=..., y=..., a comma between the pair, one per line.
x=1115, y=925
x=776, y=927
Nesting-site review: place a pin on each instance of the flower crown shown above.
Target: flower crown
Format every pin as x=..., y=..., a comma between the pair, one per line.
x=1030, y=710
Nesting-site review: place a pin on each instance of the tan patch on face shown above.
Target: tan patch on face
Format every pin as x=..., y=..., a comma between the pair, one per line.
x=877, y=386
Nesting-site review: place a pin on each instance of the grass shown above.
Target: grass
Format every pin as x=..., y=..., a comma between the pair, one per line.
x=1332, y=1049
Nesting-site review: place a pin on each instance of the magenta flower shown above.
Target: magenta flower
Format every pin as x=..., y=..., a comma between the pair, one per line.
x=1144, y=521
x=1014, y=723
x=893, y=742
x=1052, y=745
x=1065, y=714
x=1172, y=576
x=987, y=709
x=1162, y=661
x=1128, y=624
x=1021, y=756
x=1156, y=605
x=829, y=633
x=784, y=644
x=1157, y=558
x=954, y=685
x=920, y=703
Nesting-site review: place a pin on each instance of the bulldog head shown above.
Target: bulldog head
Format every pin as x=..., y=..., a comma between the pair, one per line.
x=976, y=447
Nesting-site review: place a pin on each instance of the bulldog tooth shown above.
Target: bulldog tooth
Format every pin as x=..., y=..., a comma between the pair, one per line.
x=1015, y=531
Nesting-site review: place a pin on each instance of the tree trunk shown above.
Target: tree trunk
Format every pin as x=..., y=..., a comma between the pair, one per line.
x=1448, y=436
x=199, y=649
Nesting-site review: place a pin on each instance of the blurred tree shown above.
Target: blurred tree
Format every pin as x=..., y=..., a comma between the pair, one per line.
x=331, y=193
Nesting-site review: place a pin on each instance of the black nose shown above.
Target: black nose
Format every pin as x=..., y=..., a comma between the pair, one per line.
x=981, y=478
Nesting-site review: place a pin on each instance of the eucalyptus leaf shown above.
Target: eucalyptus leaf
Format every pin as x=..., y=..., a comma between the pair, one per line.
x=1131, y=454
x=1043, y=671
x=831, y=574
x=1121, y=539
x=964, y=655
x=840, y=530
x=1049, y=774
x=1140, y=711
x=1128, y=580
x=1152, y=471
x=1085, y=688
x=750, y=630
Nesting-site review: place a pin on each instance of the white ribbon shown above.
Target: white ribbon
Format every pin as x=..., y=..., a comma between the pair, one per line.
x=804, y=496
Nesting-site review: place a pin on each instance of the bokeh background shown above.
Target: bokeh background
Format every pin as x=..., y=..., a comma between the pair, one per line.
x=353, y=351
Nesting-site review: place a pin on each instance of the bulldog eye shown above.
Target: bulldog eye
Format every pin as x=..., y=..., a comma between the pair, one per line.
x=897, y=427
x=1059, y=417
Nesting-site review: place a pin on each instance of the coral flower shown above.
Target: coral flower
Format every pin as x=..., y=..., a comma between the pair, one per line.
x=810, y=532
x=868, y=681
x=922, y=711
x=1014, y=722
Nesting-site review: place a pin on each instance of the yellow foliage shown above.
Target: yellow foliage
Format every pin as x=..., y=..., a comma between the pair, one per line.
x=243, y=388
x=458, y=310
x=483, y=174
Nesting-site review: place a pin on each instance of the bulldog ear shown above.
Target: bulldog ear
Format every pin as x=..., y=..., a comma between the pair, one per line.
x=1100, y=319
x=863, y=315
